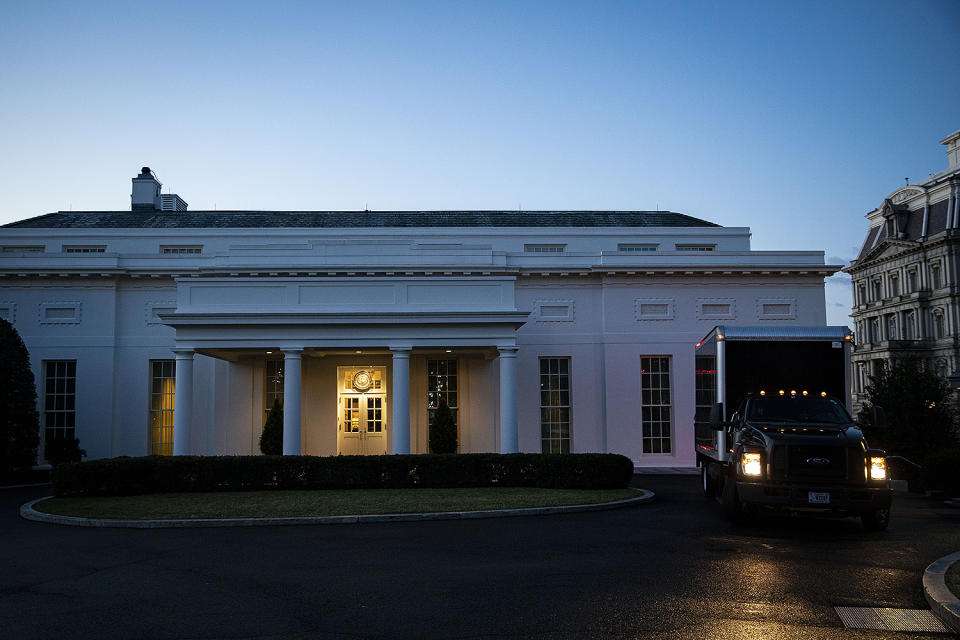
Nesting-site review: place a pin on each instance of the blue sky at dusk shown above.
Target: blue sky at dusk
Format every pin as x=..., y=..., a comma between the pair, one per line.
x=794, y=119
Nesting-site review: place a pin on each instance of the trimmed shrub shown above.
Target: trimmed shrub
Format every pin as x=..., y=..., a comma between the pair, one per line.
x=271, y=440
x=156, y=474
x=63, y=450
x=19, y=421
x=443, y=430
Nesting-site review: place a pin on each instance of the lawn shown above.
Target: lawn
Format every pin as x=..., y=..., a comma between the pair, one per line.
x=953, y=578
x=278, y=504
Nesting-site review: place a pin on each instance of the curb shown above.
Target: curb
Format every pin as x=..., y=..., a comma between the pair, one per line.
x=29, y=513
x=944, y=604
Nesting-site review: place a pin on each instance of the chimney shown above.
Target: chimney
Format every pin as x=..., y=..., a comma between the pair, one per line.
x=146, y=195
x=952, y=142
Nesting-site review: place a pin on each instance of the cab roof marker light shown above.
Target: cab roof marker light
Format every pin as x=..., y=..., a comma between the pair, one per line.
x=782, y=392
x=793, y=392
x=805, y=394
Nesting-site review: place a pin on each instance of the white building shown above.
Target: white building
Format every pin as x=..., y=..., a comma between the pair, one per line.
x=169, y=331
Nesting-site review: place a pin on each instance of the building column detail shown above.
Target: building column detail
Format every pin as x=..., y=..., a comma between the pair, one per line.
x=509, y=434
x=400, y=391
x=182, y=401
x=292, y=360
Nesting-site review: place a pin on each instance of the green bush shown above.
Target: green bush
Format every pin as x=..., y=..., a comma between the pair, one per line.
x=443, y=430
x=271, y=440
x=19, y=421
x=63, y=450
x=156, y=474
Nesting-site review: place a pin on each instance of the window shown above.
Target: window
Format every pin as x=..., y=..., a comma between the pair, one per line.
x=59, y=399
x=545, y=248
x=655, y=403
x=892, y=327
x=30, y=249
x=894, y=284
x=84, y=249
x=653, y=308
x=696, y=247
x=178, y=250
x=911, y=280
x=720, y=308
x=60, y=313
x=935, y=276
x=910, y=325
x=8, y=311
x=162, y=387
x=272, y=384
x=555, y=405
x=637, y=248
x=862, y=294
x=939, y=326
x=874, y=329
x=442, y=383
x=705, y=384
x=877, y=289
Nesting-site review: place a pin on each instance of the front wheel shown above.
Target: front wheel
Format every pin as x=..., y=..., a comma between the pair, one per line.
x=876, y=520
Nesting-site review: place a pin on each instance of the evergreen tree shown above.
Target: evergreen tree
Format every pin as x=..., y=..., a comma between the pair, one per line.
x=917, y=405
x=271, y=440
x=19, y=422
x=443, y=430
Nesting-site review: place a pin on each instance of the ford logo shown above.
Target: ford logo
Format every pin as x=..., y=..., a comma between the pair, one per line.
x=818, y=462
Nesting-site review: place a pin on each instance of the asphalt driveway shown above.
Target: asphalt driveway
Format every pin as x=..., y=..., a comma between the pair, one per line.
x=670, y=569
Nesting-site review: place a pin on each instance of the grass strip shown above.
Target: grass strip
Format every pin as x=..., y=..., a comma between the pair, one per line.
x=279, y=504
x=952, y=578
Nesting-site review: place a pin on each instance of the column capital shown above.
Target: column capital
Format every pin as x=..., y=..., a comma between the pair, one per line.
x=291, y=353
x=401, y=352
x=183, y=354
x=508, y=352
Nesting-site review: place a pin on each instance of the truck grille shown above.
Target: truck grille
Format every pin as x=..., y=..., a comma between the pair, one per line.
x=809, y=463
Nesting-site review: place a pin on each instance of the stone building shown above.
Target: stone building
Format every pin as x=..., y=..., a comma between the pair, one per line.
x=906, y=277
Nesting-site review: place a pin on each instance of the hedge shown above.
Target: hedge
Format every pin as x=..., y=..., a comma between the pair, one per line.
x=158, y=474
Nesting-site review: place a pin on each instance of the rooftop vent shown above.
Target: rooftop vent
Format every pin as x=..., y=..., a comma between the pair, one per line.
x=146, y=194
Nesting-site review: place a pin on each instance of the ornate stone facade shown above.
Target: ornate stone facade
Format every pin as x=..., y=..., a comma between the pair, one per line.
x=906, y=298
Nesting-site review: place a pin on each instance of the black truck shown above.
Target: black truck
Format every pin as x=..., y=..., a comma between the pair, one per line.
x=773, y=428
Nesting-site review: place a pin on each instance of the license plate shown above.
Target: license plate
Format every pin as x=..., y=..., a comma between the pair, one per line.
x=815, y=497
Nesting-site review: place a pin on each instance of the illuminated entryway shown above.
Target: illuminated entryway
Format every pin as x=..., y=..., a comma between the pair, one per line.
x=362, y=411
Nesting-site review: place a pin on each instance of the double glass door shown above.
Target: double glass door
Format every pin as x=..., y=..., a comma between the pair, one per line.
x=361, y=404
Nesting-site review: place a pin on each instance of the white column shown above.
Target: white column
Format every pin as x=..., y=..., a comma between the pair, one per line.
x=509, y=434
x=292, y=359
x=400, y=391
x=182, y=401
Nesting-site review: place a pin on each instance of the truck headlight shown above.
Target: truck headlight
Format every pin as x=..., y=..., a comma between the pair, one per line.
x=878, y=468
x=751, y=464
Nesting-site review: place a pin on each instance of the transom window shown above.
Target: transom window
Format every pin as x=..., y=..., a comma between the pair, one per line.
x=162, y=395
x=59, y=399
x=545, y=248
x=555, y=405
x=655, y=403
x=182, y=249
x=442, y=383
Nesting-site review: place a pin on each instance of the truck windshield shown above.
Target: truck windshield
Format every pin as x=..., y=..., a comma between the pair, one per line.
x=793, y=409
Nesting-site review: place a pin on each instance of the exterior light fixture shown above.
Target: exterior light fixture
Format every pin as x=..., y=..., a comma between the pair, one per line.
x=823, y=394
x=763, y=393
x=805, y=394
x=782, y=392
x=793, y=392
x=449, y=350
x=269, y=352
x=358, y=351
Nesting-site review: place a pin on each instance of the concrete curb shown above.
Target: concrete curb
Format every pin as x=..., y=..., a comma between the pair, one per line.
x=29, y=513
x=944, y=604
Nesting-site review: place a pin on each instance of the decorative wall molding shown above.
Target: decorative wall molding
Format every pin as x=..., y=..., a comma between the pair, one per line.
x=654, y=309
x=776, y=308
x=716, y=308
x=8, y=311
x=60, y=312
x=553, y=310
x=159, y=306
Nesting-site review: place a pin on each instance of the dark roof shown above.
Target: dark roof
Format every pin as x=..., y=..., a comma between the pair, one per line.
x=355, y=219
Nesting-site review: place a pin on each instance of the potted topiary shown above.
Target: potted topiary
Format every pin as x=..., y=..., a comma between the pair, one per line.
x=271, y=440
x=443, y=430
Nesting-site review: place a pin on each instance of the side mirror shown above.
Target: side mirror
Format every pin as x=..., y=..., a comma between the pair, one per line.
x=878, y=417
x=717, y=422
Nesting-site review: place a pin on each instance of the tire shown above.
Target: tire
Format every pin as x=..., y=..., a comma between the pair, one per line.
x=732, y=507
x=709, y=486
x=876, y=520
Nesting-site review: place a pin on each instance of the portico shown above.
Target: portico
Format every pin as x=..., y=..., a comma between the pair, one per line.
x=479, y=323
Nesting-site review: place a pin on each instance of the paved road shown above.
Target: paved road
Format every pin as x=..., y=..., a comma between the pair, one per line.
x=673, y=569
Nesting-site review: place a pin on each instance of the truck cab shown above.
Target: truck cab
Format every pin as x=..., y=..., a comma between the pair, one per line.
x=790, y=444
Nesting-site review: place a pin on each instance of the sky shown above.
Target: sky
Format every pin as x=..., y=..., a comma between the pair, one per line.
x=792, y=118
